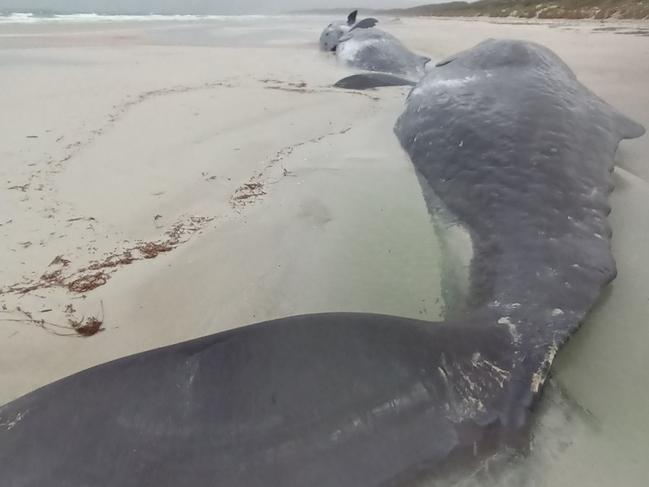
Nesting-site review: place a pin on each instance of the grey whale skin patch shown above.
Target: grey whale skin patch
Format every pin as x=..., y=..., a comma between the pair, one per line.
x=521, y=153
x=379, y=51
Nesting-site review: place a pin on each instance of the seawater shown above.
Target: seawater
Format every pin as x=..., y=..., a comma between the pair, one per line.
x=33, y=18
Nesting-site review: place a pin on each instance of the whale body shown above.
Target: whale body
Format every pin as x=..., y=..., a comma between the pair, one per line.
x=362, y=46
x=377, y=50
x=521, y=154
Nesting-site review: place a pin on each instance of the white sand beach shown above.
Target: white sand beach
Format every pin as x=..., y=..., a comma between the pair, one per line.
x=178, y=178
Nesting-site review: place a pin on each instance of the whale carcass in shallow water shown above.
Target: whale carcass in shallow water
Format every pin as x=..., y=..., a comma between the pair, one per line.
x=521, y=153
x=362, y=46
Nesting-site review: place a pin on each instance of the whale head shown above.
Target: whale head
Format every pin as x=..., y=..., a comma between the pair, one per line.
x=331, y=35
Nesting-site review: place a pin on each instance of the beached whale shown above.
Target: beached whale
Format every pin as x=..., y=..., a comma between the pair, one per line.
x=521, y=153
x=362, y=46
x=377, y=50
x=331, y=35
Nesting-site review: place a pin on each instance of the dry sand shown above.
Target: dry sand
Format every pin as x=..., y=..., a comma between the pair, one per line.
x=275, y=195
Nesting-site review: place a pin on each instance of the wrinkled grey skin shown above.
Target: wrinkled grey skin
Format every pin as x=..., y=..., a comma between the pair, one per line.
x=518, y=151
x=376, y=50
x=521, y=153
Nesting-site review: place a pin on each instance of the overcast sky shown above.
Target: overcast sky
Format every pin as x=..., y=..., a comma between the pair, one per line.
x=198, y=6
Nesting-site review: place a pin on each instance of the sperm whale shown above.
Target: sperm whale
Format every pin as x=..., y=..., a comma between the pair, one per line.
x=362, y=46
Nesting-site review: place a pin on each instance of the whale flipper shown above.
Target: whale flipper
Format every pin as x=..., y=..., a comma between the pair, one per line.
x=351, y=18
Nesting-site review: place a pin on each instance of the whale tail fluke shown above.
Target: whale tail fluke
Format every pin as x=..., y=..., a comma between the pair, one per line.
x=365, y=24
x=351, y=18
x=368, y=81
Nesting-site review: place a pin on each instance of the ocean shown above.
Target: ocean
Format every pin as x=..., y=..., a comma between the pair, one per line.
x=35, y=18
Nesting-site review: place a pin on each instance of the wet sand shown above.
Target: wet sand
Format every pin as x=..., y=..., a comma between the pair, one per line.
x=208, y=177
x=208, y=187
